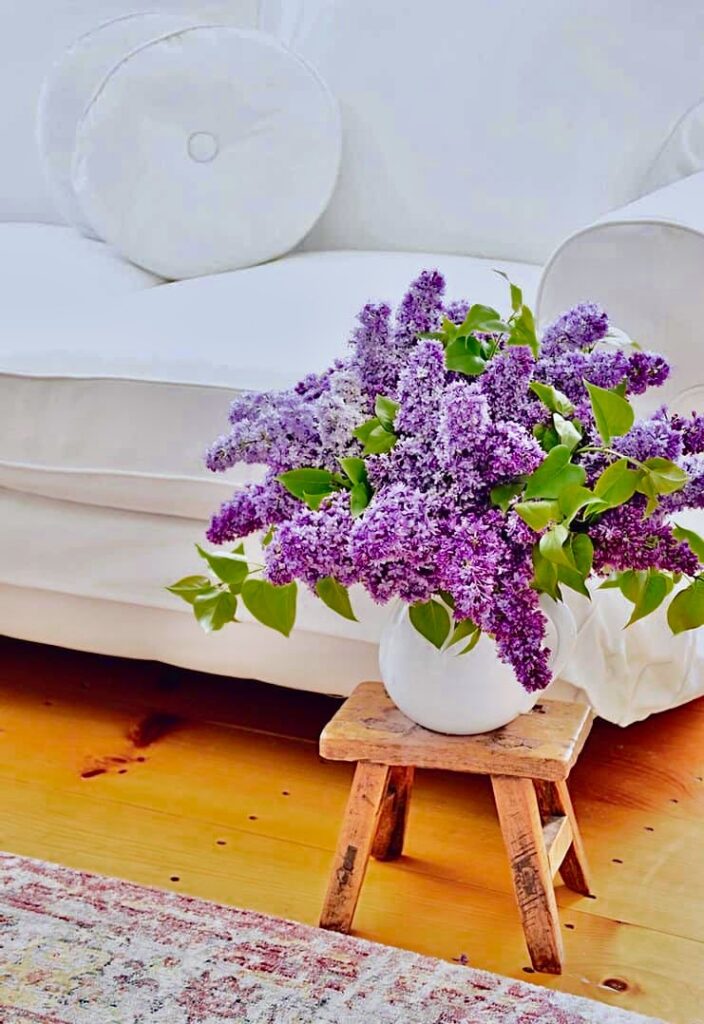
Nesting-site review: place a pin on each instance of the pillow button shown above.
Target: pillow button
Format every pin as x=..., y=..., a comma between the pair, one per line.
x=203, y=147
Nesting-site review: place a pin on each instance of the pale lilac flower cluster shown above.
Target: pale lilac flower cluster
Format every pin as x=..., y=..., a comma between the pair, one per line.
x=431, y=525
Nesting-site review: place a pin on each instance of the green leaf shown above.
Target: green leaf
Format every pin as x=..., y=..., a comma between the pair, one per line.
x=696, y=543
x=651, y=589
x=552, y=546
x=447, y=597
x=190, y=587
x=647, y=487
x=502, y=494
x=213, y=611
x=302, y=482
x=523, y=331
x=379, y=440
x=482, y=318
x=461, y=357
x=361, y=492
x=582, y=552
x=516, y=293
x=268, y=537
x=574, y=498
x=630, y=583
x=555, y=400
x=573, y=579
x=360, y=496
x=335, y=596
x=465, y=628
x=547, y=436
x=231, y=568
x=363, y=431
x=474, y=640
x=386, y=409
x=566, y=431
x=617, y=484
x=613, y=414
x=314, y=501
x=354, y=469
x=666, y=476
x=686, y=609
x=554, y=474
x=271, y=605
x=432, y=620
x=544, y=575
x=573, y=571
x=537, y=514
x=448, y=331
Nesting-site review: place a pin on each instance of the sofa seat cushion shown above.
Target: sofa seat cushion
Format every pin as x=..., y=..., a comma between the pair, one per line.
x=49, y=271
x=114, y=404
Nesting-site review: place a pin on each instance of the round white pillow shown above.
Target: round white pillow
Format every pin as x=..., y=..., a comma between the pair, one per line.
x=208, y=150
x=71, y=84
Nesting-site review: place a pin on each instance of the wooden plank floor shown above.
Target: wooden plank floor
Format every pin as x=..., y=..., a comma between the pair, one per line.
x=215, y=788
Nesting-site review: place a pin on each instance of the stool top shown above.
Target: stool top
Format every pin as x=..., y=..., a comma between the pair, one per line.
x=543, y=744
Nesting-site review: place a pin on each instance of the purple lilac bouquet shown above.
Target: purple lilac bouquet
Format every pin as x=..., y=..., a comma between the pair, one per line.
x=458, y=463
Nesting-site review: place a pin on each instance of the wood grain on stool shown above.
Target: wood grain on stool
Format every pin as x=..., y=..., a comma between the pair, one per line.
x=528, y=761
x=388, y=843
x=522, y=829
x=554, y=802
x=543, y=744
x=354, y=846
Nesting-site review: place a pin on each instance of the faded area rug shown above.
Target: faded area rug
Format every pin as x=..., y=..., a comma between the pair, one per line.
x=80, y=949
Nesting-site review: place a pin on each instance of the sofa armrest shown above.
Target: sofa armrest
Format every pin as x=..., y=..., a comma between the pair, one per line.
x=645, y=264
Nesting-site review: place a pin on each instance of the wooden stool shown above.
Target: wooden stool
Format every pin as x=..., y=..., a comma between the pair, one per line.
x=528, y=761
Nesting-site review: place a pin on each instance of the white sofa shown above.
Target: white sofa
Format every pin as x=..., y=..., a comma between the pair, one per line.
x=475, y=136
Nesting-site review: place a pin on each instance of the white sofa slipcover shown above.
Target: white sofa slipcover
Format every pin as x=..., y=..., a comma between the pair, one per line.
x=644, y=262
x=484, y=130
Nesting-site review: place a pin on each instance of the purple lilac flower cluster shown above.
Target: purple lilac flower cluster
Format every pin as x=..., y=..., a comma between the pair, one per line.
x=431, y=525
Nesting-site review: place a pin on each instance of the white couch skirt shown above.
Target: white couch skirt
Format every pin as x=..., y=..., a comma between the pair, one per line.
x=93, y=578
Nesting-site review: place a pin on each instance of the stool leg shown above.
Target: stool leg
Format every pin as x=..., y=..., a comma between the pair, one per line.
x=554, y=799
x=354, y=846
x=522, y=829
x=388, y=843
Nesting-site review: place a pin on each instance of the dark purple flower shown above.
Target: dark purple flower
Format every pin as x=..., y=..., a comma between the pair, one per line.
x=420, y=389
x=376, y=358
x=579, y=328
x=505, y=385
x=646, y=370
x=310, y=545
x=421, y=306
x=625, y=539
x=649, y=439
x=692, y=432
x=457, y=311
x=692, y=494
x=393, y=545
x=254, y=508
x=567, y=371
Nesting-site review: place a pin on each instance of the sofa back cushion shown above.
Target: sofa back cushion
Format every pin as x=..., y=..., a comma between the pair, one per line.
x=35, y=34
x=493, y=128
